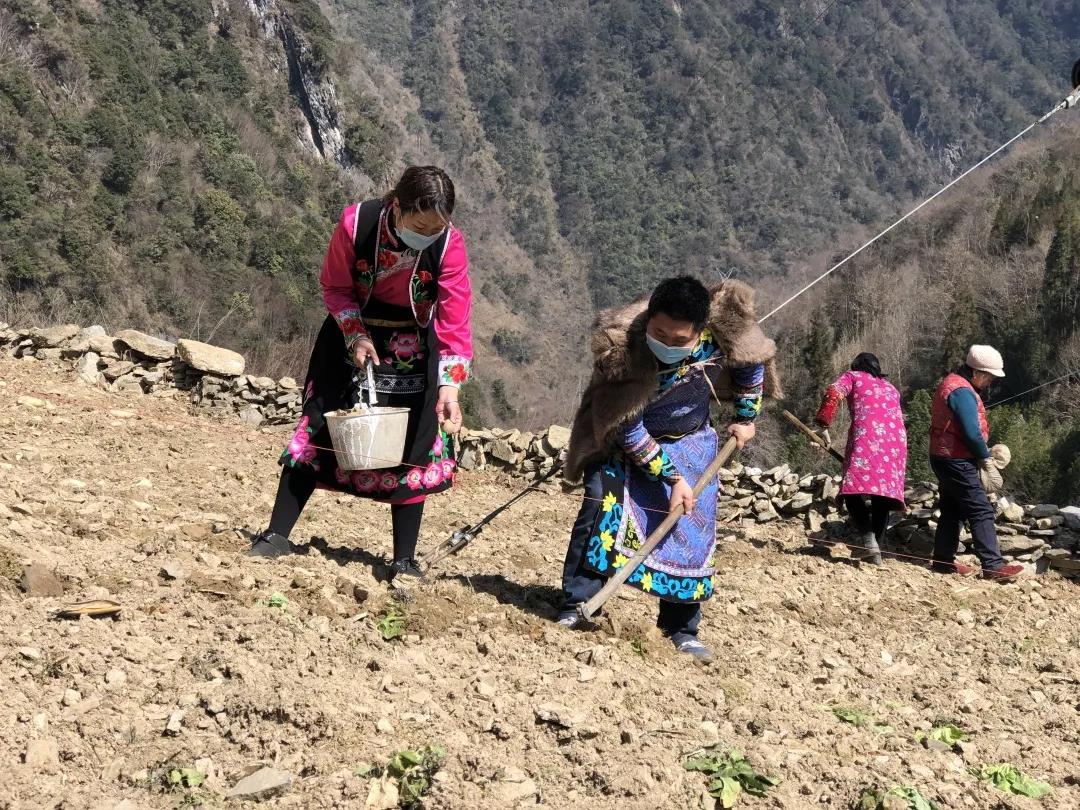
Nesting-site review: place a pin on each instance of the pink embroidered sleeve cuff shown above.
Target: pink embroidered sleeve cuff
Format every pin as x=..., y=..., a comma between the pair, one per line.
x=352, y=326
x=454, y=370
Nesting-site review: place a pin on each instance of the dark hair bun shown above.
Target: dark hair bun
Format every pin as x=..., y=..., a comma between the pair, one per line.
x=867, y=363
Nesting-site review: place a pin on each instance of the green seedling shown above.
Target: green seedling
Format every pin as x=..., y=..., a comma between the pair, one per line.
x=411, y=770
x=1010, y=779
x=276, y=600
x=730, y=774
x=638, y=646
x=945, y=733
x=861, y=719
x=368, y=770
x=185, y=778
x=392, y=624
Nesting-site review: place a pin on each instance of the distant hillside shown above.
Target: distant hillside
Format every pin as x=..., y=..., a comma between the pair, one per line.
x=662, y=135
x=155, y=170
x=179, y=166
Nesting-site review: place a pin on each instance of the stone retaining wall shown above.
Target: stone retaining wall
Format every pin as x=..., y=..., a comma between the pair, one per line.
x=1040, y=535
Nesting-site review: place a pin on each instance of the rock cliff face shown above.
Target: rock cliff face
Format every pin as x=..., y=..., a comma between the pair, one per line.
x=314, y=92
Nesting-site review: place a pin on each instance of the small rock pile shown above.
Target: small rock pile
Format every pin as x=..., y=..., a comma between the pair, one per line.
x=520, y=452
x=1039, y=535
x=136, y=362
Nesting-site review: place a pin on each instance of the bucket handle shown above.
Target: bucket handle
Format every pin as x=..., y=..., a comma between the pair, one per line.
x=373, y=399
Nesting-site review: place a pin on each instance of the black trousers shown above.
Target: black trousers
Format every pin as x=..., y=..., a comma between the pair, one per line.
x=295, y=489
x=962, y=498
x=677, y=620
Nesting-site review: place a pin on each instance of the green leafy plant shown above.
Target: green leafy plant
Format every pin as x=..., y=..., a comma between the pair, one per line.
x=947, y=733
x=392, y=623
x=1010, y=779
x=185, y=778
x=638, y=646
x=861, y=719
x=368, y=770
x=730, y=773
x=411, y=770
x=877, y=799
x=276, y=600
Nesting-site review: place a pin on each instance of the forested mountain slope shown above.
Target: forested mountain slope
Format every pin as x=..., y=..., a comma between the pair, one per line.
x=661, y=135
x=179, y=165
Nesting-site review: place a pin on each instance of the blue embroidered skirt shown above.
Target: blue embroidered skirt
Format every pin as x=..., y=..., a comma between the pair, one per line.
x=681, y=567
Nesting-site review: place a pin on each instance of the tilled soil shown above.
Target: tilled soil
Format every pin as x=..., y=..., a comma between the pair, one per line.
x=214, y=670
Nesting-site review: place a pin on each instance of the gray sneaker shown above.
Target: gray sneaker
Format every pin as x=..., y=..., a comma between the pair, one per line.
x=691, y=646
x=869, y=552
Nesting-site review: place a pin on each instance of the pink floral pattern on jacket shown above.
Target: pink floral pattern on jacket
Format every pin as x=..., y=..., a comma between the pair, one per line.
x=876, y=455
x=300, y=449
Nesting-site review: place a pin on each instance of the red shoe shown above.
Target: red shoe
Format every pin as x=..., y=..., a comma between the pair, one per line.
x=958, y=569
x=1006, y=573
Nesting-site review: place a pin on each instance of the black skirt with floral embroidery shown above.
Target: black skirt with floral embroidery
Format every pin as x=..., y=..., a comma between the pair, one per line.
x=406, y=378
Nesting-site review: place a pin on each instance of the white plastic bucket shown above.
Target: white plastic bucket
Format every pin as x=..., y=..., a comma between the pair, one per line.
x=369, y=439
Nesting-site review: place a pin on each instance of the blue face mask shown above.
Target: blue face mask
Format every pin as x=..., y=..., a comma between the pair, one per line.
x=667, y=354
x=417, y=241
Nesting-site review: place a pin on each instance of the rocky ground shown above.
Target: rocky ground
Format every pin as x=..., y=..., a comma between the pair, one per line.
x=225, y=665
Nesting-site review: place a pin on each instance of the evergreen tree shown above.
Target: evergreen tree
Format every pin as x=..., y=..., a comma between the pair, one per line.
x=817, y=353
x=1061, y=281
x=917, y=421
x=963, y=327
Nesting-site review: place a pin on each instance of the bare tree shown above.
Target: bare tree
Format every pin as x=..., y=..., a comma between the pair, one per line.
x=15, y=47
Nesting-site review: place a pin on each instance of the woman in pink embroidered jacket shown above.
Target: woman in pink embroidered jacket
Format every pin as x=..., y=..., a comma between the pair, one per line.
x=875, y=463
x=395, y=281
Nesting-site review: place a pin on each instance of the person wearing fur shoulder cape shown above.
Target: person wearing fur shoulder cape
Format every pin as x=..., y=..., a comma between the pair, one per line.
x=641, y=438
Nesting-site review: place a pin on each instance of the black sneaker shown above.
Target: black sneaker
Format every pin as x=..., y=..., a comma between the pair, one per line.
x=270, y=545
x=408, y=568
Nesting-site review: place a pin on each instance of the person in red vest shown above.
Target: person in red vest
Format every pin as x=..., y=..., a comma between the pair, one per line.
x=961, y=460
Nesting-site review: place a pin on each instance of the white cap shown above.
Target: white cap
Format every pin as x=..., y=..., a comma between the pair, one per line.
x=986, y=358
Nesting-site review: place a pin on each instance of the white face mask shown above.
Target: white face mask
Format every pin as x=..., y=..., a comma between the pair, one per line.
x=667, y=354
x=417, y=241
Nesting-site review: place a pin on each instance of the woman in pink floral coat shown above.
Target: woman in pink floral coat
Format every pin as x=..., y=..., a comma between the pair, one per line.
x=395, y=282
x=876, y=455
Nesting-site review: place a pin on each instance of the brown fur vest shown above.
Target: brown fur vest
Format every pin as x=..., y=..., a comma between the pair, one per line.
x=624, y=369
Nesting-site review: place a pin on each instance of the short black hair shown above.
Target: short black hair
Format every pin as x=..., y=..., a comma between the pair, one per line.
x=424, y=188
x=867, y=362
x=682, y=298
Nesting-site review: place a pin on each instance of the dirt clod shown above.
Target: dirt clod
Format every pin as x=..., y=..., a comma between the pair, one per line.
x=37, y=580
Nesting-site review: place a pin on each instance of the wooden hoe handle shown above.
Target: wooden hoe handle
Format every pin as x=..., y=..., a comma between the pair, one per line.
x=797, y=422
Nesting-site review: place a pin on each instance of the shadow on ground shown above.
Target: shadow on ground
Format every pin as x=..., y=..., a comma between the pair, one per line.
x=539, y=600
